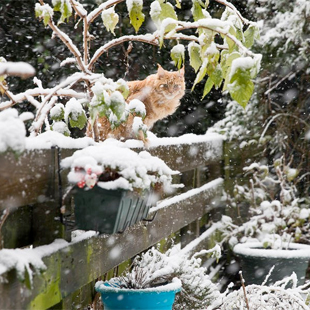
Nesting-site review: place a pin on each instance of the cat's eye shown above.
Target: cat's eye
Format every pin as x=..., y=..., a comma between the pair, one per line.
x=165, y=86
x=176, y=87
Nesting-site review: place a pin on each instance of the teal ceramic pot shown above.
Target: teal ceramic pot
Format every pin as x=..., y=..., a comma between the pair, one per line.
x=157, y=298
x=256, y=262
x=108, y=211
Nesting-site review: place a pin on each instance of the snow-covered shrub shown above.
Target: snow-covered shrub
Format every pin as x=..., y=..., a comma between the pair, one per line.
x=154, y=268
x=111, y=166
x=219, y=48
x=262, y=297
x=277, y=213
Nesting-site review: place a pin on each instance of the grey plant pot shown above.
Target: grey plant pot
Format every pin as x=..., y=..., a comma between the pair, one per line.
x=256, y=262
x=108, y=211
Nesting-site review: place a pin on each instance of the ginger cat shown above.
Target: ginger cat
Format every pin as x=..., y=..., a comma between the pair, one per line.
x=160, y=93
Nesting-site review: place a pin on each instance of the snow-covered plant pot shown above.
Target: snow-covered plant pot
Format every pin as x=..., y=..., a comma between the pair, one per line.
x=257, y=261
x=114, y=186
x=160, y=297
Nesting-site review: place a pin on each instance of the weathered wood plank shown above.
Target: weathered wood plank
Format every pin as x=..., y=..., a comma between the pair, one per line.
x=26, y=179
x=184, y=157
x=95, y=256
x=32, y=177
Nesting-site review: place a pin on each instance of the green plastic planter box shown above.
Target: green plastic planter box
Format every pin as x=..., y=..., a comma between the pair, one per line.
x=108, y=211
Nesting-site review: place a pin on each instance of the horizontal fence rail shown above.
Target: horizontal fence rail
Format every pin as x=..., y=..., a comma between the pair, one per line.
x=68, y=265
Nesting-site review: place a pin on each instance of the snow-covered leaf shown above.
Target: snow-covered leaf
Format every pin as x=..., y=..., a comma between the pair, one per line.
x=160, y=11
x=135, y=13
x=117, y=104
x=251, y=34
x=64, y=7
x=177, y=54
x=194, y=50
x=123, y=88
x=74, y=114
x=241, y=86
x=57, y=113
x=110, y=19
x=44, y=12
x=61, y=127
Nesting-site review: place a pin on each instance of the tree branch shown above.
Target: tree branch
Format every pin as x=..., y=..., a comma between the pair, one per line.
x=35, y=92
x=186, y=26
x=233, y=8
x=150, y=39
x=83, y=14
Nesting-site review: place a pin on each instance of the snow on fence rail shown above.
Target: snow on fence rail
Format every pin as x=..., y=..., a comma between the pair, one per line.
x=31, y=189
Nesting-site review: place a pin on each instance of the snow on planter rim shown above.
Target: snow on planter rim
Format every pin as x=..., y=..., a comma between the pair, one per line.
x=256, y=249
x=175, y=285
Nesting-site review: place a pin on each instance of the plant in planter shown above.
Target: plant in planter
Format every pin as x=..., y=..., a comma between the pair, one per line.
x=161, y=273
x=262, y=297
x=113, y=186
x=279, y=222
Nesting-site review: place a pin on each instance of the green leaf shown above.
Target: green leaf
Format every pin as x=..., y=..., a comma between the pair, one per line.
x=110, y=19
x=197, y=10
x=135, y=14
x=241, y=86
x=178, y=4
x=57, y=113
x=251, y=34
x=208, y=86
x=61, y=127
x=160, y=11
x=44, y=12
x=227, y=59
x=201, y=74
x=123, y=88
x=77, y=120
x=177, y=55
x=64, y=7
x=117, y=104
x=217, y=76
x=194, y=51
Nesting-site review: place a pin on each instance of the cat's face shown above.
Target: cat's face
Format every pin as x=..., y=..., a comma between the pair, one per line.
x=170, y=85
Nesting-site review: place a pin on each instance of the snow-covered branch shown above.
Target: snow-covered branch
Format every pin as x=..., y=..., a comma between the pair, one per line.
x=149, y=38
x=35, y=92
x=83, y=14
x=217, y=26
x=21, y=69
x=68, y=42
x=46, y=105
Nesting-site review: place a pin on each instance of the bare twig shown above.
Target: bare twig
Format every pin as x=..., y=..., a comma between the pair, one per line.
x=244, y=290
x=83, y=14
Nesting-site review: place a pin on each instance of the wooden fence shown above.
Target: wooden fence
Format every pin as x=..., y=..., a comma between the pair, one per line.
x=31, y=188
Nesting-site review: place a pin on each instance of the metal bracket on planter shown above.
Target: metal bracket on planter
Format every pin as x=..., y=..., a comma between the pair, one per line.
x=151, y=219
x=124, y=228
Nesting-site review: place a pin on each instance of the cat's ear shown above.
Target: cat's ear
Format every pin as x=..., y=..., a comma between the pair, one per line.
x=182, y=71
x=161, y=71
